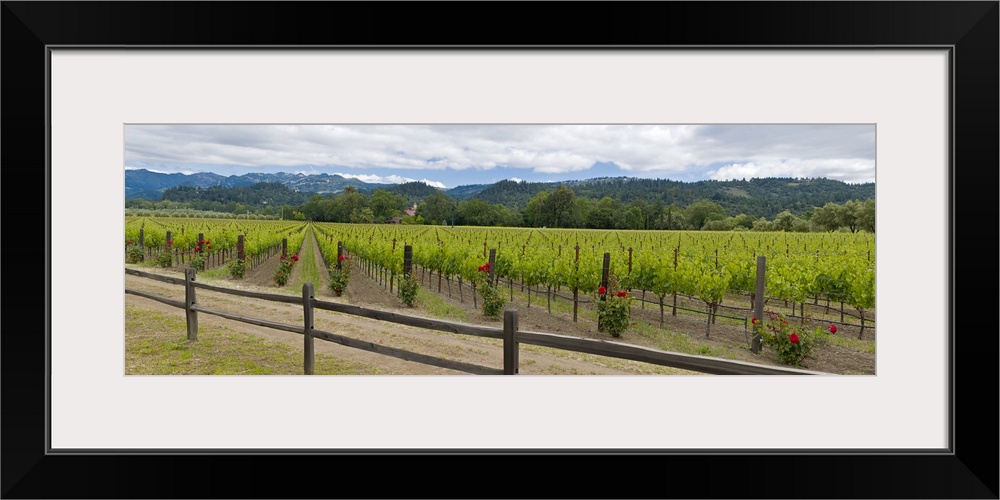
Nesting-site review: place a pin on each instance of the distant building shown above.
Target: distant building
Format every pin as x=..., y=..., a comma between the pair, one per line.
x=395, y=220
x=412, y=210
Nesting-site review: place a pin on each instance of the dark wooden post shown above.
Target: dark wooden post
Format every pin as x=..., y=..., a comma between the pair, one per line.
x=169, y=246
x=493, y=265
x=407, y=260
x=758, y=300
x=606, y=270
x=576, y=291
x=630, y=261
x=189, y=301
x=510, y=345
x=673, y=312
x=307, y=315
x=284, y=247
x=340, y=253
x=240, y=256
x=394, y=244
x=142, y=243
x=605, y=274
x=201, y=239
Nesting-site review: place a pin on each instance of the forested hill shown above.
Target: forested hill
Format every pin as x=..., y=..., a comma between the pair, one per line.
x=757, y=197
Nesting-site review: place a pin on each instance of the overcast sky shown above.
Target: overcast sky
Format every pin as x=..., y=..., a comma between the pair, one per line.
x=455, y=155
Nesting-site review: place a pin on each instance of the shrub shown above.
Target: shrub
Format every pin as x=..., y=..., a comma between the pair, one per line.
x=408, y=290
x=133, y=253
x=284, y=269
x=790, y=343
x=165, y=259
x=340, y=277
x=613, y=310
x=237, y=268
x=493, y=300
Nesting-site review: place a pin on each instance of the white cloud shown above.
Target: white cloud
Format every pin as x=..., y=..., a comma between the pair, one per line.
x=842, y=151
x=850, y=170
x=389, y=179
x=433, y=183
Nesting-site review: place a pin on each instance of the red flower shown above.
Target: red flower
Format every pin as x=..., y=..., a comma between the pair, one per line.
x=793, y=338
x=480, y=268
x=602, y=290
x=622, y=293
x=170, y=243
x=197, y=249
x=295, y=257
x=832, y=328
x=753, y=321
x=341, y=257
x=207, y=242
x=128, y=242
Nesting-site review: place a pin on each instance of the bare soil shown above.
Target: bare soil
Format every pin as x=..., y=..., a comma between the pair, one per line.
x=723, y=340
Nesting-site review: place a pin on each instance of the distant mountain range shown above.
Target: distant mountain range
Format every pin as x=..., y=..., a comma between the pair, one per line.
x=759, y=197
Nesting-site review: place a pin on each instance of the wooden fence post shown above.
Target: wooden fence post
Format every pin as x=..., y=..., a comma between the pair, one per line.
x=510, y=345
x=407, y=260
x=673, y=312
x=142, y=244
x=169, y=247
x=307, y=315
x=758, y=301
x=189, y=300
x=493, y=266
x=240, y=256
x=605, y=281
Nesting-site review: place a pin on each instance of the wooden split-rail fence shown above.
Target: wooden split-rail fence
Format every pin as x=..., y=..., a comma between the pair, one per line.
x=511, y=335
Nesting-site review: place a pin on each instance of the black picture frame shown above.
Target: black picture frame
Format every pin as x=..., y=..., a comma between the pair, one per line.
x=970, y=29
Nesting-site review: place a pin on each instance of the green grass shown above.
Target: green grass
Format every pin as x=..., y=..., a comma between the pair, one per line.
x=308, y=272
x=436, y=307
x=851, y=342
x=156, y=344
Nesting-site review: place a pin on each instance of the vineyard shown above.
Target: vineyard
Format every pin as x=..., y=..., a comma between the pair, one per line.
x=673, y=279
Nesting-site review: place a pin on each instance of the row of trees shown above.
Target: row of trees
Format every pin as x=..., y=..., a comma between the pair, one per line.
x=560, y=208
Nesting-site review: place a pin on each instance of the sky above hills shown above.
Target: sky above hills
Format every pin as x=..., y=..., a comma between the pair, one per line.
x=453, y=155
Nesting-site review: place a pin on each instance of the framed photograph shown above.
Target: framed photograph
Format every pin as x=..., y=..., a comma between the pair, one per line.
x=923, y=75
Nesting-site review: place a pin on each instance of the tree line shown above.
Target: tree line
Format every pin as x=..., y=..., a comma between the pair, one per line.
x=560, y=207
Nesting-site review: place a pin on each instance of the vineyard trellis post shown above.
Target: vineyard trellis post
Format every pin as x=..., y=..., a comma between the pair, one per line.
x=307, y=315
x=142, y=243
x=605, y=274
x=576, y=291
x=340, y=253
x=407, y=260
x=240, y=256
x=189, y=300
x=758, y=300
x=510, y=345
x=493, y=266
x=677, y=250
x=284, y=247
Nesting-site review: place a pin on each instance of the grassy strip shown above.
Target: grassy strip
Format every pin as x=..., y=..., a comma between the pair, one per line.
x=436, y=307
x=156, y=344
x=308, y=272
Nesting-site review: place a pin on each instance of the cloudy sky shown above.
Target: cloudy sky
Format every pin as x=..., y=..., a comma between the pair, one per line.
x=455, y=155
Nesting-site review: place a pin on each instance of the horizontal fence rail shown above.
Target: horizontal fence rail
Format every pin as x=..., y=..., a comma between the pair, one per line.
x=509, y=334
